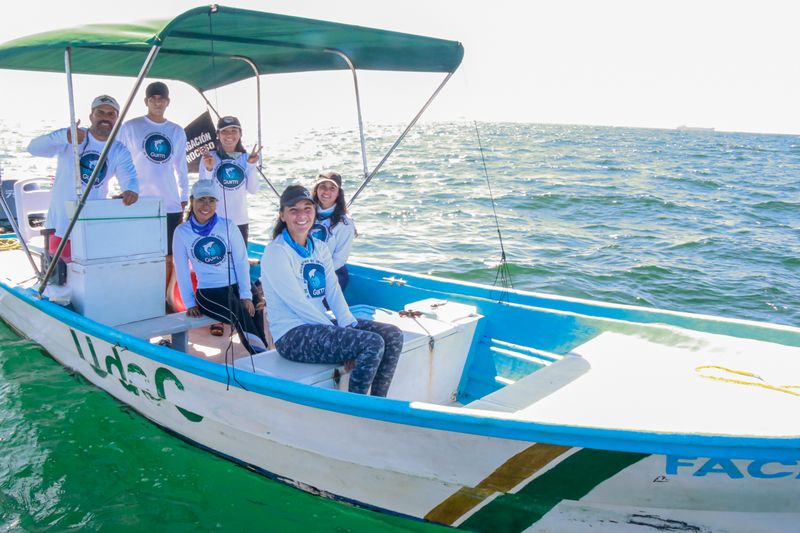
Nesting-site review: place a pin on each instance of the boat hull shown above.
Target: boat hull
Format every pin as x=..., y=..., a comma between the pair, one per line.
x=464, y=479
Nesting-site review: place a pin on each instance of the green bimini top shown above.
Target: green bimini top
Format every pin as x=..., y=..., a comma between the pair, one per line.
x=198, y=47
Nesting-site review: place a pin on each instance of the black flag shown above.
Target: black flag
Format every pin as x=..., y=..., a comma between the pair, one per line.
x=200, y=137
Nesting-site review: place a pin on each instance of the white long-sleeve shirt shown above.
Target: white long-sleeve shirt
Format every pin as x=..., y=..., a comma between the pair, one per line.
x=294, y=287
x=233, y=179
x=210, y=260
x=338, y=239
x=159, y=155
x=118, y=164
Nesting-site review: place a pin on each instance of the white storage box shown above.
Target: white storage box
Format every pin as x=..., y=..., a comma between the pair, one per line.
x=119, y=292
x=423, y=373
x=107, y=230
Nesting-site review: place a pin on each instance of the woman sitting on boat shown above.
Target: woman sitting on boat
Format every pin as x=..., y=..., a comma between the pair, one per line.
x=218, y=256
x=334, y=225
x=297, y=273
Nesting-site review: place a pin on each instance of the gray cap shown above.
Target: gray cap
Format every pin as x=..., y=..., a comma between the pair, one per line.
x=203, y=188
x=105, y=99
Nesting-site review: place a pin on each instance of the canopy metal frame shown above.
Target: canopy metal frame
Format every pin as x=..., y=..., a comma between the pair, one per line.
x=358, y=106
x=145, y=69
x=151, y=56
x=257, y=76
x=402, y=136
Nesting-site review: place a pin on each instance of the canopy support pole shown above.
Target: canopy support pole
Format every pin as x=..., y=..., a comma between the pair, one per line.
x=209, y=104
x=15, y=226
x=73, y=125
x=148, y=62
x=399, y=139
x=258, y=99
x=258, y=89
x=358, y=107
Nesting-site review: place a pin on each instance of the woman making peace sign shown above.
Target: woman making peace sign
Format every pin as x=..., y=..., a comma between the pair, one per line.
x=233, y=172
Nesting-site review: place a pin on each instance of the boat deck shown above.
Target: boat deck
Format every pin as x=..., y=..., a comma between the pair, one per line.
x=663, y=379
x=17, y=269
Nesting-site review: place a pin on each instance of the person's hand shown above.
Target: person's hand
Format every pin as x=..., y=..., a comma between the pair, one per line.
x=129, y=197
x=81, y=133
x=349, y=365
x=194, y=311
x=208, y=161
x=248, y=306
x=253, y=157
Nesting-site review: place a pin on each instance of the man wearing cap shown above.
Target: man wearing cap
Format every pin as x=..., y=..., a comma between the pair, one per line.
x=158, y=148
x=118, y=163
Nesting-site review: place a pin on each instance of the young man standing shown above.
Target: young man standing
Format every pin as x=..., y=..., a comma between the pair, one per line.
x=158, y=148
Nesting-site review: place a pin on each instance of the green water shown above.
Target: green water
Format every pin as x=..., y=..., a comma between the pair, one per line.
x=75, y=458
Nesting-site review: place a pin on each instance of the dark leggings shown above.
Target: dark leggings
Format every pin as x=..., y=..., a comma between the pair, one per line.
x=245, y=230
x=375, y=347
x=214, y=303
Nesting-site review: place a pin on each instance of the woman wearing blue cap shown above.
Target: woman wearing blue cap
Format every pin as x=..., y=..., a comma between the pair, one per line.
x=218, y=256
x=297, y=274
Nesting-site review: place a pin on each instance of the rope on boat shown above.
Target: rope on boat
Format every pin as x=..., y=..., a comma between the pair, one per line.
x=415, y=315
x=230, y=360
x=503, y=272
x=760, y=383
x=9, y=244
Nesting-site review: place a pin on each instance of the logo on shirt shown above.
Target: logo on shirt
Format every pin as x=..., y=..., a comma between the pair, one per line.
x=157, y=148
x=314, y=277
x=88, y=163
x=230, y=175
x=209, y=250
x=320, y=232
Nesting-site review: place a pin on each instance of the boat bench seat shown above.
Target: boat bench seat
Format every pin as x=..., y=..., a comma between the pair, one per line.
x=175, y=324
x=270, y=363
x=533, y=387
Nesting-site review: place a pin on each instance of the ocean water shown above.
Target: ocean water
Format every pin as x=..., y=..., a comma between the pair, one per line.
x=707, y=222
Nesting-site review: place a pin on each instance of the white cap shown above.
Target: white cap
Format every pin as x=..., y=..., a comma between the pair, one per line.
x=203, y=188
x=104, y=99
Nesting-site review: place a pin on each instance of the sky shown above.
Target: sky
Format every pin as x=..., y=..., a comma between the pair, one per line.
x=728, y=65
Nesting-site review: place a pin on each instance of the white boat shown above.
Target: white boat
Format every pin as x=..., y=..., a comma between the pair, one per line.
x=509, y=411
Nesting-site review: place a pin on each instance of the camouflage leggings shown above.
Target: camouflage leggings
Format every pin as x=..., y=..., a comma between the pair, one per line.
x=375, y=347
